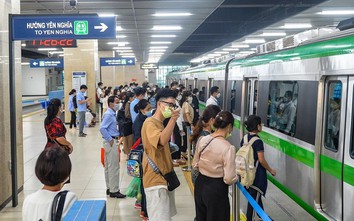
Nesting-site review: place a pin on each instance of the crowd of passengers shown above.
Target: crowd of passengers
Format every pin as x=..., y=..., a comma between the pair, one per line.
x=158, y=119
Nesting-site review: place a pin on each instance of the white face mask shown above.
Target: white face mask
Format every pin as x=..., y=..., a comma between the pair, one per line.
x=218, y=95
x=190, y=100
x=116, y=107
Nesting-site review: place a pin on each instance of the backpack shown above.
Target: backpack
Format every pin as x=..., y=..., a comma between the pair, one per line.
x=134, y=167
x=245, y=162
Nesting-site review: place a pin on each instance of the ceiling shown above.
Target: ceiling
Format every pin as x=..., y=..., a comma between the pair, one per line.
x=212, y=23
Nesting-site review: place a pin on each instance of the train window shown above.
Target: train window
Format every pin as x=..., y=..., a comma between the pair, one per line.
x=282, y=103
x=332, y=124
x=233, y=98
x=255, y=97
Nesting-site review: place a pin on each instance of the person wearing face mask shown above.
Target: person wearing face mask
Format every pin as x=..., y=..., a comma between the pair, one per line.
x=195, y=105
x=214, y=94
x=287, y=114
x=155, y=139
x=259, y=186
x=54, y=127
x=81, y=108
x=203, y=128
x=188, y=116
x=143, y=108
x=71, y=108
x=140, y=94
x=215, y=159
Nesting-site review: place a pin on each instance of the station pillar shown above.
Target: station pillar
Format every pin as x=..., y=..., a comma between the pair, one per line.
x=83, y=58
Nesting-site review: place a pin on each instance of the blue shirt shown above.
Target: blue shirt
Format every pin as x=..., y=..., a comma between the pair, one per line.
x=80, y=96
x=108, y=127
x=132, y=112
x=71, y=104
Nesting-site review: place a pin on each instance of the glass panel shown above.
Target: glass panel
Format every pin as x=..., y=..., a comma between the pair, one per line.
x=202, y=90
x=249, y=88
x=282, y=106
x=333, y=115
x=233, y=98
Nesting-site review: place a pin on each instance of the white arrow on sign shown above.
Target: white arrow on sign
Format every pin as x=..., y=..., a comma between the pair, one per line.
x=35, y=63
x=130, y=61
x=103, y=27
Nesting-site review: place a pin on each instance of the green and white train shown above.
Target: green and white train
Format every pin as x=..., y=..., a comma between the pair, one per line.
x=314, y=155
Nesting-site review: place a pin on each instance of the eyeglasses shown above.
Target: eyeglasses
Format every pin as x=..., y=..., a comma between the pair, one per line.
x=171, y=105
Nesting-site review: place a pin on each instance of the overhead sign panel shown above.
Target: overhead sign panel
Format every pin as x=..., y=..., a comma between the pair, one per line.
x=41, y=27
x=51, y=43
x=47, y=63
x=149, y=66
x=117, y=61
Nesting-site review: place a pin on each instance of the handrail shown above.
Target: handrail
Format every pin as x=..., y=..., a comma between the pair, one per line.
x=253, y=203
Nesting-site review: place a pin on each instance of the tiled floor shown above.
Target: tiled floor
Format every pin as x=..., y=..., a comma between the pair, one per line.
x=87, y=178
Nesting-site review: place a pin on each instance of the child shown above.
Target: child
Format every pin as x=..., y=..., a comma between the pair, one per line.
x=53, y=169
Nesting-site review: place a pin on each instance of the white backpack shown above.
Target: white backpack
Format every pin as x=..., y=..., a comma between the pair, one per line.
x=245, y=162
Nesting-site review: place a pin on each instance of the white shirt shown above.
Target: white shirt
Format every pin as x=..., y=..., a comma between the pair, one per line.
x=104, y=102
x=99, y=94
x=38, y=205
x=212, y=101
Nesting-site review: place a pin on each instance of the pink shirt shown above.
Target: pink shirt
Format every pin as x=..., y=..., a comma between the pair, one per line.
x=217, y=160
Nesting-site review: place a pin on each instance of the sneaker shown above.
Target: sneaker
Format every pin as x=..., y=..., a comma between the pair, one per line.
x=117, y=195
x=137, y=206
x=142, y=214
x=107, y=192
x=82, y=135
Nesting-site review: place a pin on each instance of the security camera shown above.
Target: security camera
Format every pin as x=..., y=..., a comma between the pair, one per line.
x=73, y=3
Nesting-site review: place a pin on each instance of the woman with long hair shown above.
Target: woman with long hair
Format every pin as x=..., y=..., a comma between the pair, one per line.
x=54, y=127
x=187, y=118
x=215, y=160
x=104, y=100
x=128, y=138
x=71, y=108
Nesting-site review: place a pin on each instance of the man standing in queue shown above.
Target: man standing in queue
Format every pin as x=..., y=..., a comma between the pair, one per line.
x=81, y=108
x=160, y=201
x=110, y=134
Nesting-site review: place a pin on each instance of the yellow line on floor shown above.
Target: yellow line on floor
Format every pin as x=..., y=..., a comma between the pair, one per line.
x=187, y=175
x=33, y=113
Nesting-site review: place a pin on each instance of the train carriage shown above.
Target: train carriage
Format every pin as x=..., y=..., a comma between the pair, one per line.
x=304, y=95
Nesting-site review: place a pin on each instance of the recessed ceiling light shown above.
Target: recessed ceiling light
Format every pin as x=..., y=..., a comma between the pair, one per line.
x=239, y=46
x=156, y=53
x=116, y=43
x=166, y=27
x=296, y=25
x=273, y=34
x=163, y=36
x=121, y=36
x=246, y=52
x=25, y=63
x=336, y=12
x=221, y=52
x=119, y=28
x=56, y=52
x=157, y=50
x=122, y=48
x=125, y=51
x=230, y=49
x=47, y=49
x=160, y=42
x=254, y=41
x=128, y=56
x=23, y=45
x=107, y=15
x=166, y=14
x=158, y=47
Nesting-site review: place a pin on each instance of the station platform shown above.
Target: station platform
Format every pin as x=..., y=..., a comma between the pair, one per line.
x=87, y=180
x=32, y=104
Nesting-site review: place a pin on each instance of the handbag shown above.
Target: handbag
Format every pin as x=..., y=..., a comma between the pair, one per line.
x=55, y=143
x=170, y=177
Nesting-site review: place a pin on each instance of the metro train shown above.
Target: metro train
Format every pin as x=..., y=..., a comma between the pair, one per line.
x=304, y=95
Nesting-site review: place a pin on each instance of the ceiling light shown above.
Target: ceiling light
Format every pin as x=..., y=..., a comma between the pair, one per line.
x=239, y=46
x=230, y=49
x=296, y=25
x=255, y=41
x=166, y=27
x=121, y=48
x=125, y=51
x=246, y=52
x=163, y=36
x=221, y=52
x=337, y=12
x=273, y=34
x=166, y=14
x=107, y=15
x=157, y=50
x=119, y=28
x=160, y=42
x=47, y=49
x=156, y=53
x=253, y=49
x=118, y=43
x=128, y=56
x=61, y=55
x=121, y=36
x=23, y=45
x=214, y=55
x=158, y=47
x=25, y=63
x=196, y=60
x=56, y=52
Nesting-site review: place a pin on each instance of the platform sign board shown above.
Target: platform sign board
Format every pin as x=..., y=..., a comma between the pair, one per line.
x=117, y=62
x=78, y=79
x=47, y=63
x=149, y=66
x=41, y=27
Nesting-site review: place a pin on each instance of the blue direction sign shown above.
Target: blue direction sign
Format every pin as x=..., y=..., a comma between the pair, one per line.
x=85, y=26
x=117, y=61
x=47, y=63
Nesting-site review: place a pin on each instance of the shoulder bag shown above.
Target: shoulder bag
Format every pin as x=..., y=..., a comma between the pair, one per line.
x=58, y=206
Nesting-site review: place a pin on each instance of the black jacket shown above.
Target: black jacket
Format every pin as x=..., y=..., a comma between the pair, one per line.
x=137, y=125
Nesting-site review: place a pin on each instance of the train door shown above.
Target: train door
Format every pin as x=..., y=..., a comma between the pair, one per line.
x=252, y=96
x=332, y=148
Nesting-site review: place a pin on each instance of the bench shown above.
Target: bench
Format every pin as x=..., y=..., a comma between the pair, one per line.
x=87, y=210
